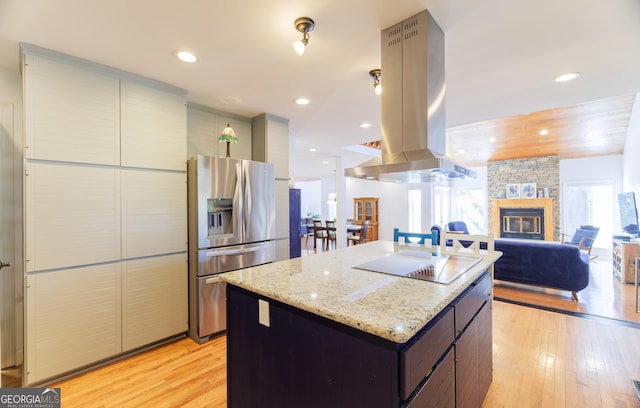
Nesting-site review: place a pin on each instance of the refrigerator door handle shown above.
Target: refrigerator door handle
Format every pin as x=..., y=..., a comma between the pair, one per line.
x=247, y=200
x=237, y=251
x=238, y=201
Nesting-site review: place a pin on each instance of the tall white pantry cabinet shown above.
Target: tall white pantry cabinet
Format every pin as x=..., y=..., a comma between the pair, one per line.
x=105, y=212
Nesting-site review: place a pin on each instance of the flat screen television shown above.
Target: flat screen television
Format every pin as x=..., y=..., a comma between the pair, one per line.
x=628, y=213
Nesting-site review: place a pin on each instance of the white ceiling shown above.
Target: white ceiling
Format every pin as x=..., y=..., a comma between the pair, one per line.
x=501, y=56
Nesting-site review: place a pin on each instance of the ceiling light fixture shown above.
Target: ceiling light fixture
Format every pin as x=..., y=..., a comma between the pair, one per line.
x=376, y=74
x=305, y=25
x=544, y=132
x=302, y=101
x=186, y=56
x=365, y=125
x=567, y=77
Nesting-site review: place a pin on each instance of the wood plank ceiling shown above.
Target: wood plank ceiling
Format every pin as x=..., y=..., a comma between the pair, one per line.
x=588, y=129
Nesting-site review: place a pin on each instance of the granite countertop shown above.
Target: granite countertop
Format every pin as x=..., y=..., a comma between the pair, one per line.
x=327, y=284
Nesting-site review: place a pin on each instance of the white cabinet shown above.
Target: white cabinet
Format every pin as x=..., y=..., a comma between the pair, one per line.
x=72, y=113
x=205, y=126
x=105, y=189
x=72, y=319
x=154, y=213
x=154, y=293
x=72, y=215
x=271, y=145
x=154, y=127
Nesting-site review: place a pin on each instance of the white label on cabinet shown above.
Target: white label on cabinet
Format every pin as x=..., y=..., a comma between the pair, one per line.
x=263, y=313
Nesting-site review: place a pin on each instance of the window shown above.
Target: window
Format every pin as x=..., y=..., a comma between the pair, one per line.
x=590, y=204
x=415, y=211
x=470, y=207
x=441, y=205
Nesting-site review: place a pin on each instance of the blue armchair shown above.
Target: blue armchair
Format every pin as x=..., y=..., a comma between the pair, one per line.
x=457, y=226
x=583, y=238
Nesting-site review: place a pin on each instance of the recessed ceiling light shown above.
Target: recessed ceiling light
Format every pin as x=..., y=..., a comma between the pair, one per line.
x=313, y=149
x=493, y=139
x=365, y=125
x=544, y=132
x=567, y=77
x=302, y=101
x=186, y=56
x=325, y=162
x=461, y=151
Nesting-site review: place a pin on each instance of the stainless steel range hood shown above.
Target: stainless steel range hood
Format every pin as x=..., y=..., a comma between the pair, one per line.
x=413, y=111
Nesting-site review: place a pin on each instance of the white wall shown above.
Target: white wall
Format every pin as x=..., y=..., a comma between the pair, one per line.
x=310, y=197
x=392, y=203
x=630, y=159
x=328, y=185
x=11, y=93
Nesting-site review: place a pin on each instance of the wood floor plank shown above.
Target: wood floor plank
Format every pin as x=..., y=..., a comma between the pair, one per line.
x=605, y=295
x=541, y=359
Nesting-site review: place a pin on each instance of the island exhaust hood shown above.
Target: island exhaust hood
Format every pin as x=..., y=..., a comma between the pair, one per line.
x=412, y=100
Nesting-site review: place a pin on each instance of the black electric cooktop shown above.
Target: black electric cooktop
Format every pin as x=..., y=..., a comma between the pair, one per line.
x=422, y=265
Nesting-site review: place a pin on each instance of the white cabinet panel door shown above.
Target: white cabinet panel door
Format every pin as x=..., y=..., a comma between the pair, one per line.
x=154, y=299
x=205, y=127
x=202, y=133
x=72, y=215
x=282, y=208
x=154, y=219
x=278, y=147
x=154, y=127
x=72, y=319
x=71, y=113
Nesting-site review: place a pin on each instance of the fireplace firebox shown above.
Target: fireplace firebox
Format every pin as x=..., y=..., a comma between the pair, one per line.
x=523, y=223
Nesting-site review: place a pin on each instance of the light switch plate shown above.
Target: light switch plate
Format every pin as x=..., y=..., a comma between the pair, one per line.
x=263, y=313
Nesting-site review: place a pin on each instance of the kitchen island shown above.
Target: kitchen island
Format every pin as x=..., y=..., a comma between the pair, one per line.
x=320, y=332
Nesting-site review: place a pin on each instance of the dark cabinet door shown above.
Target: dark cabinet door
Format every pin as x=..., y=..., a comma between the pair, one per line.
x=294, y=223
x=485, y=351
x=466, y=350
x=439, y=389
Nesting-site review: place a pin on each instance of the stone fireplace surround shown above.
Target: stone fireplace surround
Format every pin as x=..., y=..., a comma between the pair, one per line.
x=542, y=170
x=544, y=203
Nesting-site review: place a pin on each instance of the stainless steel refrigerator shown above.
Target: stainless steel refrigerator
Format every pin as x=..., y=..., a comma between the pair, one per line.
x=231, y=226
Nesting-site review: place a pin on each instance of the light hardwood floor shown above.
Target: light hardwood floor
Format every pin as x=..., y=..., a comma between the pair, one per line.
x=605, y=295
x=540, y=359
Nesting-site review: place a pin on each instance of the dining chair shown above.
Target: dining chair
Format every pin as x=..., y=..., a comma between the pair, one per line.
x=309, y=223
x=418, y=238
x=331, y=233
x=360, y=237
x=319, y=232
x=456, y=243
x=465, y=243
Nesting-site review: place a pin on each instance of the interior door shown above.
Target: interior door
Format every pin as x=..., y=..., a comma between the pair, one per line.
x=7, y=234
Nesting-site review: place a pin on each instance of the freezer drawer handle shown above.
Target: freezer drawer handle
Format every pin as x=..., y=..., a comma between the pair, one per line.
x=214, y=279
x=237, y=251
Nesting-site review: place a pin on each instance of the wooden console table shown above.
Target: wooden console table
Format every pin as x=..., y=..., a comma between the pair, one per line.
x=624, y=255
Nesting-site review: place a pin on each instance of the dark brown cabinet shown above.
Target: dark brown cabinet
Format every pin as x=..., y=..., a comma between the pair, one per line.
x=301, y=359
x=473, y=345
